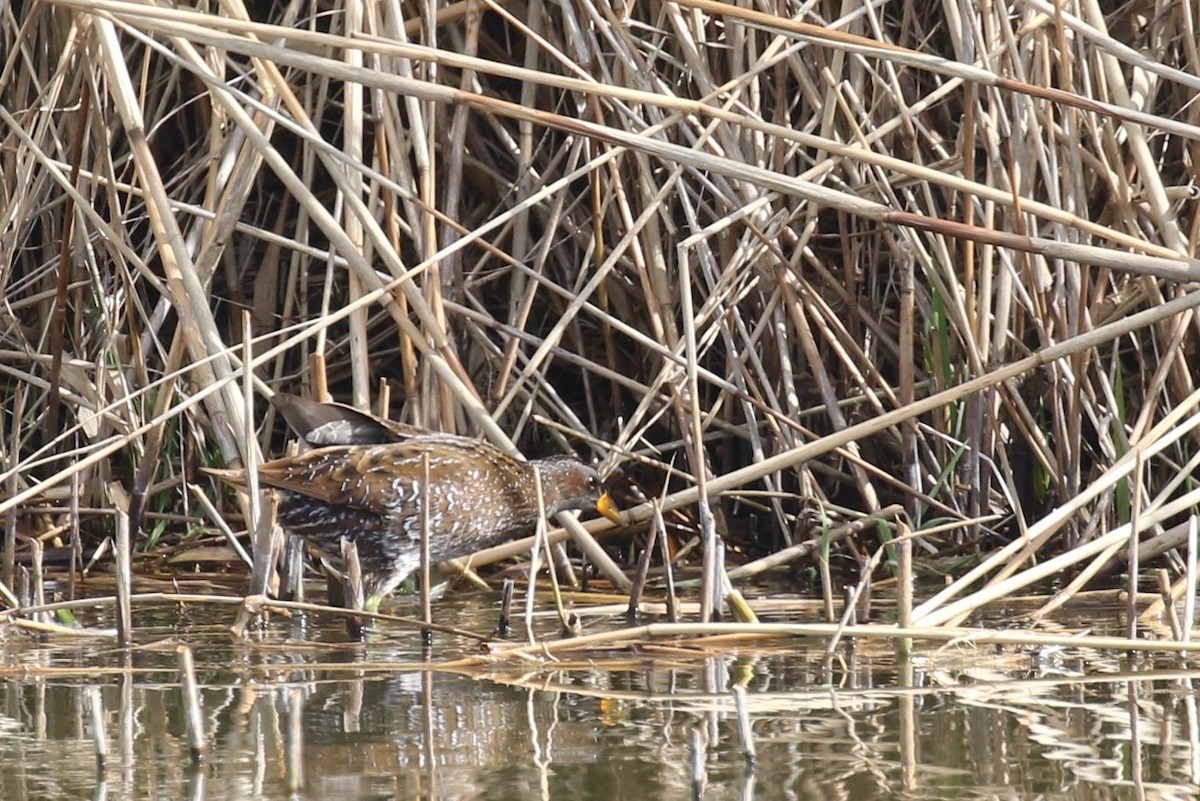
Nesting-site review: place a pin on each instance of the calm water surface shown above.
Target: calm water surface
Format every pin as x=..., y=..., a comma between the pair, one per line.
x=309, y=714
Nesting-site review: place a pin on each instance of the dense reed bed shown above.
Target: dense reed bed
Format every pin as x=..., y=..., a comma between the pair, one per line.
x=820, y=276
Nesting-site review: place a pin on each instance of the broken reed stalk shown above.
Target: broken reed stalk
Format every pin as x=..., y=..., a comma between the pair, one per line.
x=295, y=739
x=535, y=553
x=1189, y=579
x=1134, y=564
x=660, y=529
x=568, y=624
x=827, y=588
x=904, y=580
x=697, y=757
x=266, y=535
x=1164, y=589
x=193, y=714
x=10, y=514
x=745, y=732
x=122, y=555
x=643, y=570
x=99, y=733
x=22, y=588
x=260, y=517
x=352, y=583
x=504, y=623
x=74, y=543
x=426, y=578
x=689, y=415
x=291, y=570
x=37, y=583
x=265, y=538
x=354, y=186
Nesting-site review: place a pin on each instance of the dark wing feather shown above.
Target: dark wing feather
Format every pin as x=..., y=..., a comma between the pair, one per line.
x=321, y=424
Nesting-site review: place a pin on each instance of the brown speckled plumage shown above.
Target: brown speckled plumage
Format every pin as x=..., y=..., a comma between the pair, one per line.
x=366, y=483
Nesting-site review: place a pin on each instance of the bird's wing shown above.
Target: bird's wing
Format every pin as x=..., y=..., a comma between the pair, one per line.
x=325, y=424
x=383, y=479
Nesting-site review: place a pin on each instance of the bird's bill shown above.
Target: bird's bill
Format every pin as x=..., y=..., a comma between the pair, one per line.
x=606, y=507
